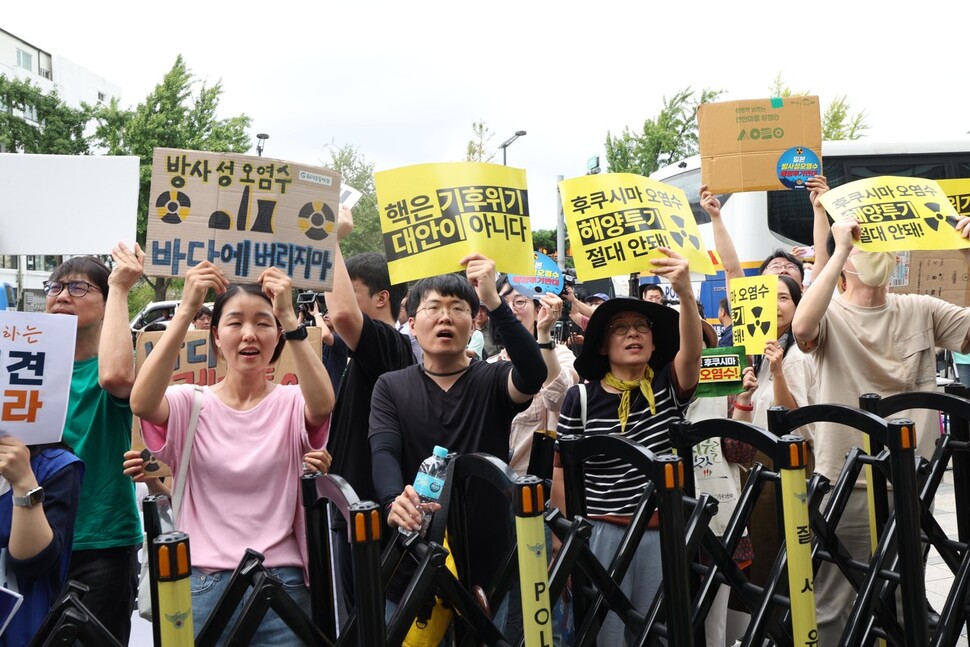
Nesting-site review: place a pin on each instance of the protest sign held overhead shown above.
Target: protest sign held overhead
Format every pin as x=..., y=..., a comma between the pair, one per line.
x=754, y=311
x=958, y=193
x=433, y=215
x=897, y=214
x=617, y=222
x=547, y=278
x=759, y=144
x=37, y=355
x=721, y=371
x=244, y=214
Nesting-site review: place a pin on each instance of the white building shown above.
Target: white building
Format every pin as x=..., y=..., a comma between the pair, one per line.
x=75, y=84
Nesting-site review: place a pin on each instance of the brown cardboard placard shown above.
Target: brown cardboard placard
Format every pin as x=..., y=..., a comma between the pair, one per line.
x=741, y=141
x=244, y=214
x=196, y=365
x=942, y=274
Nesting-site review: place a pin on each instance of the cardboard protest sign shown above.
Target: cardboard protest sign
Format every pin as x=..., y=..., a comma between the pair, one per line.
x=546, y=279
x=433, y=215
x=721, y=371
x=244, y=214
x=760, y=144
x=47, y=197
x=944, y=275
x=897, y=214
x=198, y=364
x=37, y=355
x=617, y=222
x=754, y=311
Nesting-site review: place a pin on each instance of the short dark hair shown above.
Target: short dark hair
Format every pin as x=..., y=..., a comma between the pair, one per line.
x=793, y=287
x=724, y=305
x=830, y=243
x=204, y=310
x=794, y=260
x=91, y=267
x=447, y=285
x=370, y=268
x=647, y=287
x=220, y=302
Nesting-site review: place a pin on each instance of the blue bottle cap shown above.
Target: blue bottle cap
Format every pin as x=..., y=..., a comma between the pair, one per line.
x=440, y=452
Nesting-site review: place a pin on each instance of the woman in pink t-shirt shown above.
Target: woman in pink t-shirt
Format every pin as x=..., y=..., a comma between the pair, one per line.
x=242, y=484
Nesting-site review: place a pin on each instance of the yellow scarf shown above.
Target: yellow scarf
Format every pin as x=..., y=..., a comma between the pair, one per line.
x=645, y=384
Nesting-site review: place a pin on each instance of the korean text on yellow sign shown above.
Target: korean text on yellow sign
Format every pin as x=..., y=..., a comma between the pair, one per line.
x=958, y=193
x=897, y=213
x=433, y=215
x=244, y=214
x=617, y=222
x=37, y=355
x=754, y=312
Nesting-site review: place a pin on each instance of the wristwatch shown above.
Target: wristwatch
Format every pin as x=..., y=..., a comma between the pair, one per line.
x=34, y=497
x=548, y=345
x=295, y=335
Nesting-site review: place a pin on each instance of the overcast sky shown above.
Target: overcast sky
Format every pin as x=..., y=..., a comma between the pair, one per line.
x=403, y=81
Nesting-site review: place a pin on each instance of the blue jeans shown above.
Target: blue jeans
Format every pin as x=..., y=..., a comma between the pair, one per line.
x=207, y=588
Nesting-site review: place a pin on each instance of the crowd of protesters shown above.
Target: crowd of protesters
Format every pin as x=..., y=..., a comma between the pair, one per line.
x=405, y=372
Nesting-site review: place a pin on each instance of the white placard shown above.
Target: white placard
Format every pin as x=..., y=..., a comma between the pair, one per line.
x=36, y=363
x=67, y=204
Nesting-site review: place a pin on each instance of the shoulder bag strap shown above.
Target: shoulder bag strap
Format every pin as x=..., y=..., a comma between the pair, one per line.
x=179, y=490
x=582, y=404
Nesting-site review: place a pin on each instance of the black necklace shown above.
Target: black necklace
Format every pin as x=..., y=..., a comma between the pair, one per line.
x=451, y=374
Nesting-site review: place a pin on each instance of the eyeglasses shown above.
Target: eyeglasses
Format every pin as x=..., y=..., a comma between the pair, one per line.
x=76, y=289
x=791, y=267
x=519, y=302
x=621, y=328
x=437, y=310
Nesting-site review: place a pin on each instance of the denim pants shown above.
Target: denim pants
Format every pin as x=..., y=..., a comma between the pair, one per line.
x=207, y=588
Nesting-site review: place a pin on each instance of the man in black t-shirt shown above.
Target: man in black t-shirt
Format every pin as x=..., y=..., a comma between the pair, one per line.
x=454, y=401
x=363, y=308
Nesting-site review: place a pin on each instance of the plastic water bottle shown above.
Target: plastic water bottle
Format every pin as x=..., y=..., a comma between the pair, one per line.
x=428, y=483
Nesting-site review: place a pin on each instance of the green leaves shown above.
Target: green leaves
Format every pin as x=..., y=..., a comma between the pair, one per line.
x=52, y=127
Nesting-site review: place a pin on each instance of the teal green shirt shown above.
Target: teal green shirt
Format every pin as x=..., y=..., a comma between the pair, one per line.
x=98, y=428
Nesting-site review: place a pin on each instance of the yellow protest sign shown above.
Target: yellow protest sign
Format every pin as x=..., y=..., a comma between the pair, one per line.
x=242, y=213
x=897, y=213
x=433, y=215
x=754, y=311
x=958, y=193
x=616, y=222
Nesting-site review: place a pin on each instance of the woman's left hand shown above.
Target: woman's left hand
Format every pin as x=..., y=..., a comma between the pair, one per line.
x=550, y=308
x=317, y=461
x=15, y=463
x=279, y=288
x=775, y=356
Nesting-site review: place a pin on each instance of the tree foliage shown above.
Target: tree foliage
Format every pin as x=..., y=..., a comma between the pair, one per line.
x=54, y=127
x=478, y=149
x=359, y=173
x=837, y=121
x=178, y=113
x=671, y=136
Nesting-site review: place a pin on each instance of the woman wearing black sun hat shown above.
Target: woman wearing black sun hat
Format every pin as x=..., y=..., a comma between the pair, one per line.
x=642, y=362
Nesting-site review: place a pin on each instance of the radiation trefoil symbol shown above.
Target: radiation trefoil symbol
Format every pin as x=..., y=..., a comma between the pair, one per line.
x=173, y=207
x=682, y=234
x=317, y=220
x=933, y=222
x=758, y=324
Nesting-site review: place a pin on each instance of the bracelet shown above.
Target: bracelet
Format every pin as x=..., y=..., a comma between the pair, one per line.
x=743, y=407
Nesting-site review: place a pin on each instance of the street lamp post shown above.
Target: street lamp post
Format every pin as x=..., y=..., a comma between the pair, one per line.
x=262, y=137
x=508, y=142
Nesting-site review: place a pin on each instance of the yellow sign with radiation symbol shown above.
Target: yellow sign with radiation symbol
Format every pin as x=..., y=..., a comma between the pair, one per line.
x=754, y=312
x=900, y=213
x=433, y=215
x=618, y=221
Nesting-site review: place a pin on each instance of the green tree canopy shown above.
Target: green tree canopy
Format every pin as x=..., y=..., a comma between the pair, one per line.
x=671, y=136
x=176, y=114
x=53, y=127
x=837, y=121
x=359, y=173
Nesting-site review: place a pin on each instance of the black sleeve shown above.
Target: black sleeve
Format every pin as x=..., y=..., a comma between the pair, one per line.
x=386, y=445
x=528, y=369
x=61, y=493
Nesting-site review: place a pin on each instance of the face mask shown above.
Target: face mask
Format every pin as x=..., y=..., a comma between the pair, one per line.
x=874, y=268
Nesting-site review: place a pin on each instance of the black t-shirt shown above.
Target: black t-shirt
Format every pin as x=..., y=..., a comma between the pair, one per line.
x=381, y=349
x=474, y=415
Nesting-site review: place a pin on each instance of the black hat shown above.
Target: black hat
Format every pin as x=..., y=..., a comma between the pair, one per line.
x=665, y=323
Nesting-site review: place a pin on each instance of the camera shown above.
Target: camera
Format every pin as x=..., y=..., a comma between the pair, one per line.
x=304, y=304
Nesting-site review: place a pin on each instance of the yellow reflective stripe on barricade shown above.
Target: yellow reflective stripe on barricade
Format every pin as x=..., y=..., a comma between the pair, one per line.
x=534, y=580
x=798, y=541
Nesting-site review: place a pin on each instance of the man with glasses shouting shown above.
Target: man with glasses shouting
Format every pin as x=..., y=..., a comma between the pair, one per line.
x=454, y=401
x=98, y=427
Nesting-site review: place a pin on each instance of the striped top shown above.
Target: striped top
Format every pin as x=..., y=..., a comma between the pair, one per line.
x=612, y=486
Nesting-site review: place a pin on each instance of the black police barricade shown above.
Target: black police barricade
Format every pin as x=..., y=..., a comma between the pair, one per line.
x=596, y=590
x=798, y=498
x=953, y=449
x=898, y=465
x=69, y=621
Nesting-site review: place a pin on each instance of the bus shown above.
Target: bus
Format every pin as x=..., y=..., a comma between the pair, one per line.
x=762, y=221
